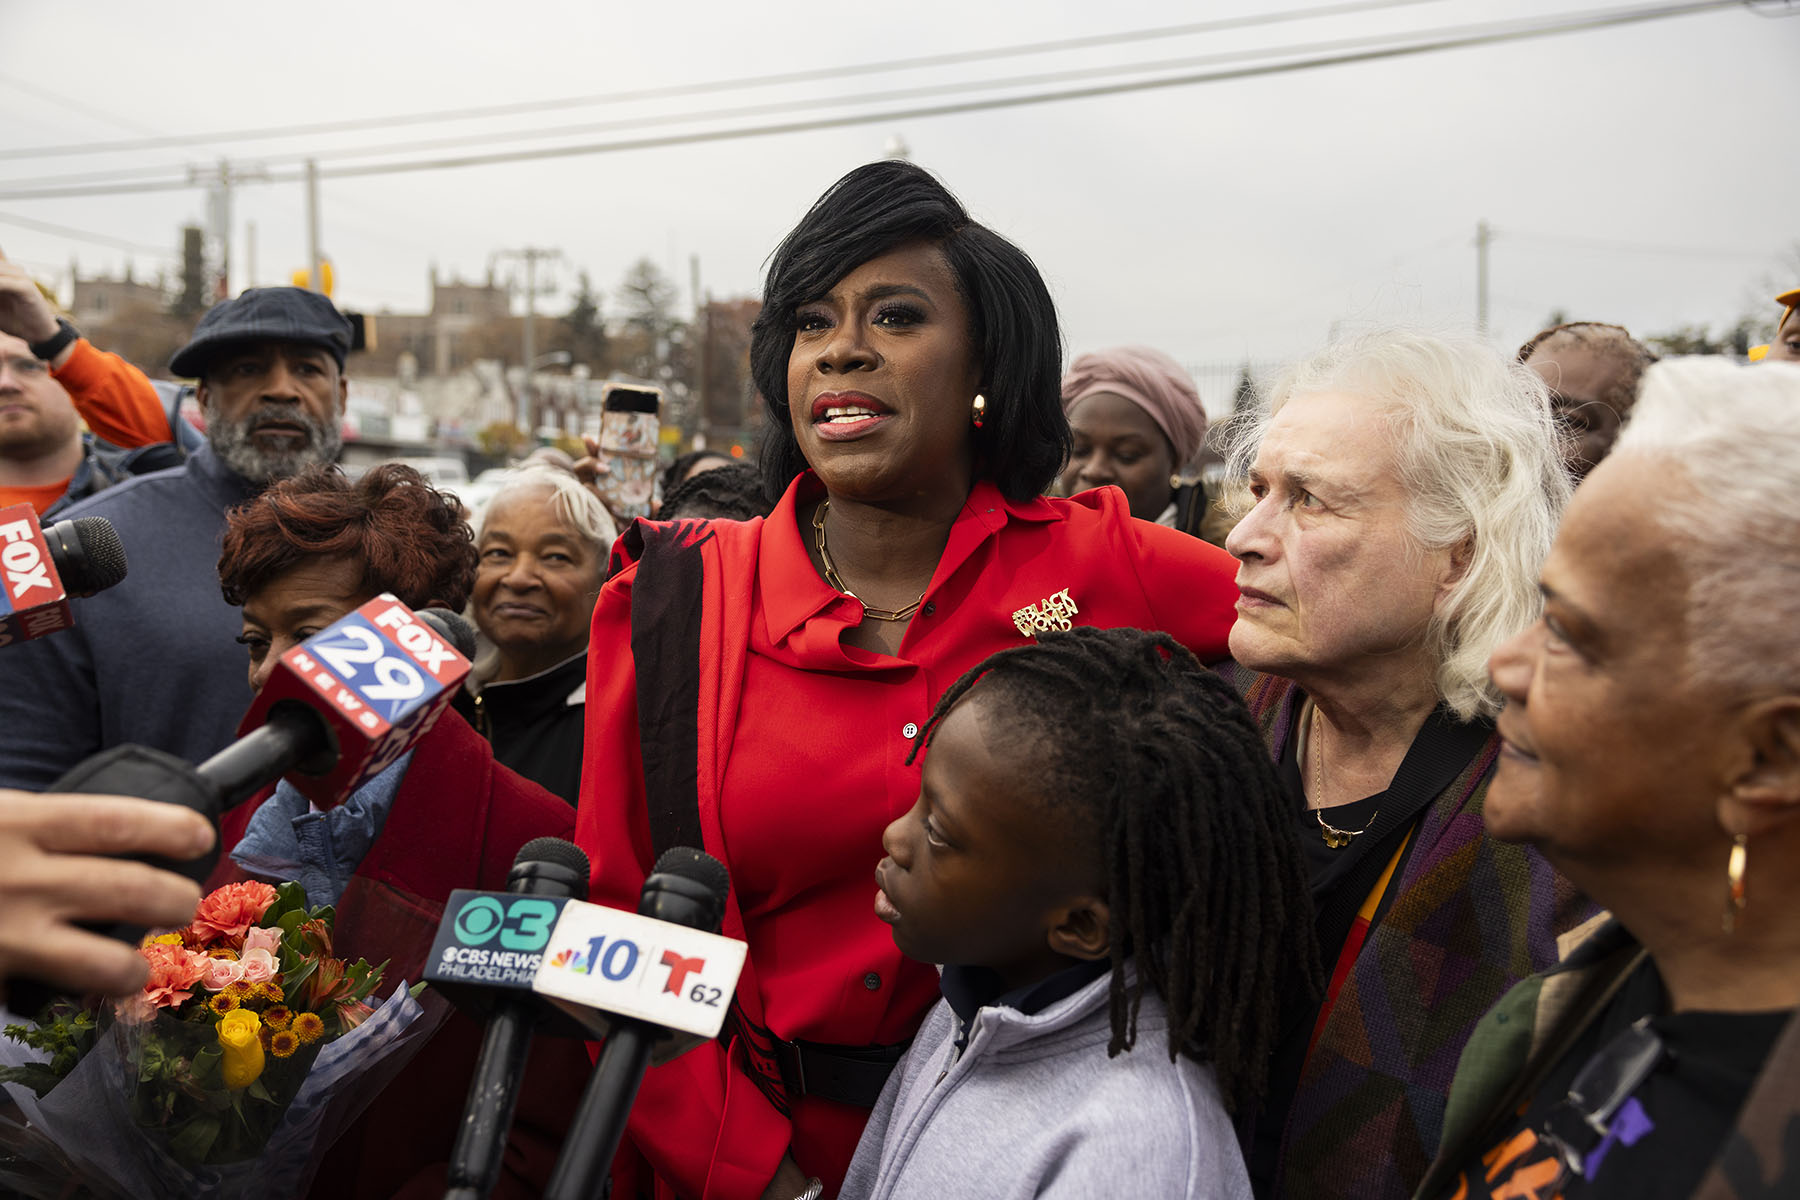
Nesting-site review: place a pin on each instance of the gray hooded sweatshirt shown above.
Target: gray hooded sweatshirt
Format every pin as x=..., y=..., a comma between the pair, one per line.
x=1033, y=1107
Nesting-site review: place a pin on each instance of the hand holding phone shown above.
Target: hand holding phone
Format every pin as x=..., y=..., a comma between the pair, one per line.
x=630, y=428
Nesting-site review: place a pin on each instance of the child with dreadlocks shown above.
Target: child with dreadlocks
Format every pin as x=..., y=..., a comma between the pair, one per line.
x=1101, y=856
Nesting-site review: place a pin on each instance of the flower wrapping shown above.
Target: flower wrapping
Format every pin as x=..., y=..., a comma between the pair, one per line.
x=213, y=1081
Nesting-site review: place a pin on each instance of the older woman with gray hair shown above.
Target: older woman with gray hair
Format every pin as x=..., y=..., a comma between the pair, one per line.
x=1405, y=488
x=543, y=547
x=1652, y=752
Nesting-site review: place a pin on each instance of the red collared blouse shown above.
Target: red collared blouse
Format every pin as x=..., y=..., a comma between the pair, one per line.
x=816, y=769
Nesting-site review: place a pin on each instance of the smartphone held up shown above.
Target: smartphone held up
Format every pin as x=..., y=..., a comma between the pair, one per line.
x=630, y=426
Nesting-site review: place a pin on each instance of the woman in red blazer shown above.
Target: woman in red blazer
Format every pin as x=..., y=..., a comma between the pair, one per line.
x=755, y=688
x=307, y=551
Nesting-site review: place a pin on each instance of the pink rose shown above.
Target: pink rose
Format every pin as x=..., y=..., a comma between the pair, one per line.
x=221, y=973
x=259, y=966
x=174, y=970
x=262, y=939
x=233, y=909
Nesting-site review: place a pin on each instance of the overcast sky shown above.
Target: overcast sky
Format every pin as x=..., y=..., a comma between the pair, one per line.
x=1637, y=174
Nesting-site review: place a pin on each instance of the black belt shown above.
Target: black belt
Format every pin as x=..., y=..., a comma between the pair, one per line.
x=852, y=1075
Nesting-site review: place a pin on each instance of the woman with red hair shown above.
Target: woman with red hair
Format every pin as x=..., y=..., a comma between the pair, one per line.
x=307, y=551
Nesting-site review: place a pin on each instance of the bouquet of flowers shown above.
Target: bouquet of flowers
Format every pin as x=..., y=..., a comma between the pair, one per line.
x=221, y=1074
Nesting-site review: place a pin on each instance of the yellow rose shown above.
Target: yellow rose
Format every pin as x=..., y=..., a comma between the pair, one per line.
x=242, y=1048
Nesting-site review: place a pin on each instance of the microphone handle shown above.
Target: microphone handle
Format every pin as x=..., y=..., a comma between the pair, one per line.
x=599, y=1123
x=293, y=736
x=493, y=1093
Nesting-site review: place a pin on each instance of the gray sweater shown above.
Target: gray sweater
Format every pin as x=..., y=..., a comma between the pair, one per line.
x=150, y=660
x=1034, y=1107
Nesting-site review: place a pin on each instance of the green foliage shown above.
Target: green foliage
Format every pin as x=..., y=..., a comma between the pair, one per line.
x=65, y=1032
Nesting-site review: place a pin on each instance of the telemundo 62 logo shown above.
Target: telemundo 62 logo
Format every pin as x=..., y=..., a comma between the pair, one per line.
x=521, y=923
x=617, y=959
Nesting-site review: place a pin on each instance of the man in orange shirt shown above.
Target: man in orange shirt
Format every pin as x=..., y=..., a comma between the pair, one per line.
x=51, y=378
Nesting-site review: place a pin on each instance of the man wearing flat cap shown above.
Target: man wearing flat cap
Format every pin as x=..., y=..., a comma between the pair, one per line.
x=152, y=660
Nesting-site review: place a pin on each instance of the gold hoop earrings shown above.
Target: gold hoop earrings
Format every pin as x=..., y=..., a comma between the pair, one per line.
x=1736, y=896
x=979, y=410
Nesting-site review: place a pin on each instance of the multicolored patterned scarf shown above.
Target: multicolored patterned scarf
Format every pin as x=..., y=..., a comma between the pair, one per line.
x=1469, y=918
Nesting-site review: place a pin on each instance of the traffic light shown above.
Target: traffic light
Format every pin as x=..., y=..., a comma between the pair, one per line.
x=303, y=278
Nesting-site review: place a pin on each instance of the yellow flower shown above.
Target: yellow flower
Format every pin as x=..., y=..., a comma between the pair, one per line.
x=277, y=1017
x=243, y=1051
x=309, y=1027
x=284, y=1043
x=240, y=991
x=222, y=1003
x=164, y=939
x=269, y=991
x=225, y=952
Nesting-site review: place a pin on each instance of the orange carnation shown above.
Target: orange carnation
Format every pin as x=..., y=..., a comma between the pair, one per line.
x=233, y=909
x=174, y=972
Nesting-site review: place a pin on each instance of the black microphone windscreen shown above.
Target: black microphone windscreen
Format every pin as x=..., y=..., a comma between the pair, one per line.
x=696, y=865
x=452, y=627
x=88, y=555
x=556, y=851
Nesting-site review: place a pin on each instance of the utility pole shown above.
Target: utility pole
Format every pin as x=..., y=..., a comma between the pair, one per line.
x=531, y=256
x=219, y=182
x=1484, y=236
x=315, y=266
x=702, y=326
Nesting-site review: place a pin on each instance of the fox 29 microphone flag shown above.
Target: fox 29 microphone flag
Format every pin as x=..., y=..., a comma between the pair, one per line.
x=379, y=678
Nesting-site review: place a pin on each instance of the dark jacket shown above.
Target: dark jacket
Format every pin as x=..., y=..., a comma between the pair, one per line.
x=1524, y=1035
x=151, y=660
x=104, y=464
x=535, y=724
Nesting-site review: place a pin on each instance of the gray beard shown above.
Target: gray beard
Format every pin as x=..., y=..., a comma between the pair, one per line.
x=232, y=442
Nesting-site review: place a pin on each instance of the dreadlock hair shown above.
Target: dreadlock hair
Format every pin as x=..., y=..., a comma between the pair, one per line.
x=733, y=492
x=1164, y=770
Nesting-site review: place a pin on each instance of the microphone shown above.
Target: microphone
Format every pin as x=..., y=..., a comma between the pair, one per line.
x=454, y=628
x=545, y=867
x=341, y=707
x=685, y=888
x=337, y=710
x=42, y=568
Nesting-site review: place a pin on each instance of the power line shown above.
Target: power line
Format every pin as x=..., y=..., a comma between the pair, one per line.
x=1469, y=36
x=82, y=235
x=804, y=104
x=73, y=105
x=720, y=85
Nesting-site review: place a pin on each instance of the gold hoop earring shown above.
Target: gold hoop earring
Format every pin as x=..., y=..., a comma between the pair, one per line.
x=1736, y=896
x=980, y=410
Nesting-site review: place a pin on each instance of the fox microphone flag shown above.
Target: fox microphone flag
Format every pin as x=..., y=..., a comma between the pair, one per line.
x=40, y=569
x=378, y=679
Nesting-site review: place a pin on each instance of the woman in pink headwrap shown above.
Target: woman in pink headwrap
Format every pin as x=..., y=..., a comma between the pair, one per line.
x=1138, y=423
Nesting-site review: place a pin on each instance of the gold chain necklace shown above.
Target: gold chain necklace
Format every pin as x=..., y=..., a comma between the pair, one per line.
x=832, y=577
x=1334, y=837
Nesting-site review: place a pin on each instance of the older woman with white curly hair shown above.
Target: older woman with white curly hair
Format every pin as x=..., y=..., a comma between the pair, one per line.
x=1405, y=488
x=543, y=544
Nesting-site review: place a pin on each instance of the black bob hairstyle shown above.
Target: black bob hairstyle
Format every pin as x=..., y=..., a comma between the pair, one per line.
x=881, y=207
